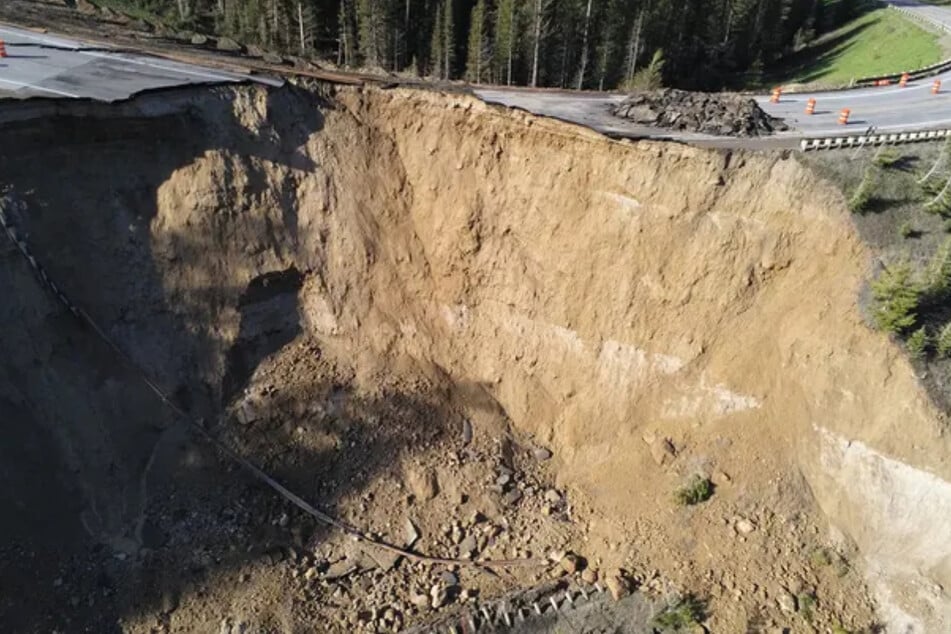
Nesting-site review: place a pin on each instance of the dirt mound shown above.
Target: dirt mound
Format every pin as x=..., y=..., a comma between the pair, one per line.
x=709, y=113
x=478, y=332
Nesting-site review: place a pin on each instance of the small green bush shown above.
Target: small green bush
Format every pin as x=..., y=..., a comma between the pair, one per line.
x=943, y=341
x=698, y=490
x=887, y=158
x=932, y=188
x=858, y=203
x=906, y=230
x=940, y=206
x=651, y=77
x=947, y=226
x=807, y=604
x=686, y=613
x=937, y=282
x=897, y=295
x=918, y=343
x=819, y=558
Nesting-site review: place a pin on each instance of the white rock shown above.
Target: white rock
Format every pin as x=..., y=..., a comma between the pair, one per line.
x=745, y=526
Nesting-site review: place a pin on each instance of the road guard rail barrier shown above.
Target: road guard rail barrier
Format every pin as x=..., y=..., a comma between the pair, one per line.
x=852, y=141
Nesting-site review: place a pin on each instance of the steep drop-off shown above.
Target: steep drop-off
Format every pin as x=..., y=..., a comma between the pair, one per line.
x=646, y=311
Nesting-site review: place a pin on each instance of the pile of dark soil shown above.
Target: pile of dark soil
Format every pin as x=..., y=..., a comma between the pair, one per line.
x=720, y=114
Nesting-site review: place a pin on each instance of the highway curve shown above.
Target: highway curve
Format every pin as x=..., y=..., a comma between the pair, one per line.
x=887, y=108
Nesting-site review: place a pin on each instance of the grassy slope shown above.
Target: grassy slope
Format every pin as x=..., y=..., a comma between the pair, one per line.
x=878, y=42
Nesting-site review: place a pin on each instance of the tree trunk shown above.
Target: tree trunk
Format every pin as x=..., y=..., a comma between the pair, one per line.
x=536, y=41
x=584, y=46
x=300, y=21
x=634, y=46
x=447, y=38
x=508, y=73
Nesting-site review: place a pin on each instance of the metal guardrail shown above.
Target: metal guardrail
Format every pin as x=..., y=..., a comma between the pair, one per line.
x=872, y=139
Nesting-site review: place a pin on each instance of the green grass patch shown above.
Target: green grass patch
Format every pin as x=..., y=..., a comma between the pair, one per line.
x=685, y=613
x=879, y=42
x=697, y=490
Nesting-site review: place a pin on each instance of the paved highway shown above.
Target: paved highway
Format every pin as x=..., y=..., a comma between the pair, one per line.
x=886, y=108
x=41, y=65
x=48, y=66
x=939, y=14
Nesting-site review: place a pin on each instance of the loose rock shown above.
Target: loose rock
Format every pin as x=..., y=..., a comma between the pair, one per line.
x=422, y=483
x=662, y=451
x=468, y=546
x=410, y=532
x=340, y=569
x=617, y=585
x=719, y=114
x=541, y=454
x=786, y=602
x=512, y=497
x=449, y=578
x=570, y=563
x=228, y=45
x=745, y=526
x=437, y=595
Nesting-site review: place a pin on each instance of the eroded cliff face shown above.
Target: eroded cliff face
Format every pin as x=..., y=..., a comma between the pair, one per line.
x=595, y=297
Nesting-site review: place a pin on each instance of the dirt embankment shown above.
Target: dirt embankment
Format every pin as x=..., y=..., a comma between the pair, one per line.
x=344, y=287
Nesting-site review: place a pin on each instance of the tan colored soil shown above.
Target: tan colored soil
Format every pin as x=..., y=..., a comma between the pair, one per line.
x=361, y=275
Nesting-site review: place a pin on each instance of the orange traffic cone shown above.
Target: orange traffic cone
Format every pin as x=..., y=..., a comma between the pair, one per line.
x=811, y=106
x=3, y=48
x=936, y=87
x=904, y=80
x=844, y=116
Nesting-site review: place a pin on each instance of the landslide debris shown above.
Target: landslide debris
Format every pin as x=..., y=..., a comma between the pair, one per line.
x=472, y=330
x=708, y=113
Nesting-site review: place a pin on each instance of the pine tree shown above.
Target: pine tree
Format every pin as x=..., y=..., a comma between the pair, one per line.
x=476, y=45
x=710, y=44
x=584, y=46
x=304, y=23
x=651, y=76
x=633, y=48
x=371, y=32
x=435, y=46
x=448, y=41
x=539, y=26
x=347, y=38
x=505, y=36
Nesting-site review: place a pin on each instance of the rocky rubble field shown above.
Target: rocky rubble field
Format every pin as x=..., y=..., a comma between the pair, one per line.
x=720, y=114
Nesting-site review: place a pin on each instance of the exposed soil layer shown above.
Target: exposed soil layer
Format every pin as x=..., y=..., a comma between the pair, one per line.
x=416, y=309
